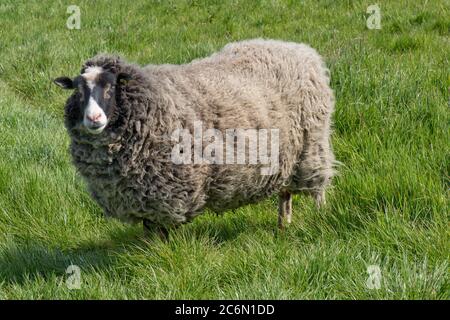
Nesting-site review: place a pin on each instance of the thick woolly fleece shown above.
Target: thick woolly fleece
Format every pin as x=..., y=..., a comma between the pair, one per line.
x=249, y=84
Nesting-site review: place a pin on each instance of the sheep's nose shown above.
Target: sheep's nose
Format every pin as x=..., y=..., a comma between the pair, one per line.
x=95, y=117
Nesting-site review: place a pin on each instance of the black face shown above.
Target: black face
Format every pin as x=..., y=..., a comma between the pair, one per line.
x=94, y=100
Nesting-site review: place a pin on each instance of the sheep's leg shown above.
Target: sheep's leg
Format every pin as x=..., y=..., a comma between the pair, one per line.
x=288, y=207
x=150, y=228
x=284, y=208
x=319, y=198
x=280, y=211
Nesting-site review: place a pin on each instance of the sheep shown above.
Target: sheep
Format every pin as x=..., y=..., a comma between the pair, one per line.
x=121, y=119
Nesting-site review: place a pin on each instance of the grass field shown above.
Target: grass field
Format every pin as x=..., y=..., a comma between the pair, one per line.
x=389, y=206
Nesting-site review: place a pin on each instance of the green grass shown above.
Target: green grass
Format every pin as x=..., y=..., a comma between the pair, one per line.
x=388, y=207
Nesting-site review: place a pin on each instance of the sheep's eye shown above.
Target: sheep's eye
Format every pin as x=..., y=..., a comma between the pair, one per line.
x=106, y=94
x=81, y=94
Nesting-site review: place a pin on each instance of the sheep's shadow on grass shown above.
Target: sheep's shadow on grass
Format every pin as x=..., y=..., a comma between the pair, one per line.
x=22, y=263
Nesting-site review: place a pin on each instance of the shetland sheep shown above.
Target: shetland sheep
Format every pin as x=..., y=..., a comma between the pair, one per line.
x=121, y=119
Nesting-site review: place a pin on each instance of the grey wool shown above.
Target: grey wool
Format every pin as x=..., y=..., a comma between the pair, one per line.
x=249, y=84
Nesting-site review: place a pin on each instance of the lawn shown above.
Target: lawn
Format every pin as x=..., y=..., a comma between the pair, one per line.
x=388, y=209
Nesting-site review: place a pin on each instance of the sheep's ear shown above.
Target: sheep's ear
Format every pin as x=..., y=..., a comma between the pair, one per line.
x=123, y=78
x=64, y=82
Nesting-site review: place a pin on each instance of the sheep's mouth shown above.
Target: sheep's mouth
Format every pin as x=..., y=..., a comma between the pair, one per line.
x=95, y=128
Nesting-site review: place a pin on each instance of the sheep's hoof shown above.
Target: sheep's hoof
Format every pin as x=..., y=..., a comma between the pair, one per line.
x=151, y=229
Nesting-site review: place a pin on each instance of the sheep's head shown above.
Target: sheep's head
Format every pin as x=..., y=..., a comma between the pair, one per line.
x=94, y=99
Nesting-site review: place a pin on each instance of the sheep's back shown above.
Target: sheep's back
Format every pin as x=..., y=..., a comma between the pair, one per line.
x=252, y=85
